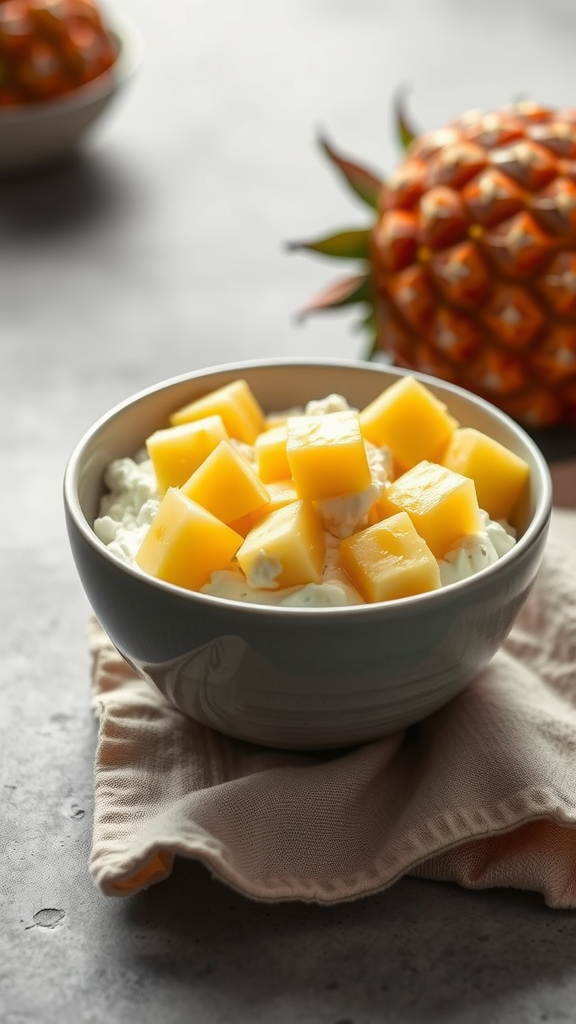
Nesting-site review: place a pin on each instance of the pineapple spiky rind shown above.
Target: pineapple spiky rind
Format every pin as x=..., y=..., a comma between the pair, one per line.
x=469, y=268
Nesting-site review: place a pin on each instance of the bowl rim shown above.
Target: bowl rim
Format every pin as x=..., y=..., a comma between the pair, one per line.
x=538, y=524
x=130, y=45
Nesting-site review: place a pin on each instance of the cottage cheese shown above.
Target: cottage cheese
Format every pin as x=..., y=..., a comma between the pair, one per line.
x=264, y=573
x=331, y=593
x=344, y=515
x=130, y=506
x=477, y=551
x=132, y=501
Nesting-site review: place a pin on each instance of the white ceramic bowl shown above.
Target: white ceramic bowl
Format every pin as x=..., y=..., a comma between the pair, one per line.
x=293, y=677
x=41, y=133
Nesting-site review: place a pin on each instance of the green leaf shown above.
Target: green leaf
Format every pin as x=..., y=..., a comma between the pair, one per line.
x=366, y=327
x=362, y=181
x=371, y=351
x=406, y=133
x=351, y=244
x=342, y=293
x=366, y=324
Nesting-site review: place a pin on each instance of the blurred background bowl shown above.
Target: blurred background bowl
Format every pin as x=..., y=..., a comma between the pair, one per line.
x=290, y=677
x=40, y=133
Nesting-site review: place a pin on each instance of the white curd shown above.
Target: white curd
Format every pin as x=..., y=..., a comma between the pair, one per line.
x=132, y=501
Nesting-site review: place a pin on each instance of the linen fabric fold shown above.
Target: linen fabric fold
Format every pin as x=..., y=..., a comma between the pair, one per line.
x=482, y=792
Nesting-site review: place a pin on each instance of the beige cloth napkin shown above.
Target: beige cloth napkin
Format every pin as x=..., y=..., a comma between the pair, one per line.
x=482, y=793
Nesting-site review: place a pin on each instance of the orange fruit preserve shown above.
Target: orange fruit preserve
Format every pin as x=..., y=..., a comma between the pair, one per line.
x=49, y=48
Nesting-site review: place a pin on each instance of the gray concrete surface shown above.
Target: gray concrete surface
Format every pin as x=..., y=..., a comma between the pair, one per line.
x=156, y=251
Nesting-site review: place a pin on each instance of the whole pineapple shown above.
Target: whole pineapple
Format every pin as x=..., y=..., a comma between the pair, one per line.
x=49, y=48
x=470, y=267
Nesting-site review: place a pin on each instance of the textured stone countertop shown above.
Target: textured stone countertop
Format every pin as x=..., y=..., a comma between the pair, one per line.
x=160, y=250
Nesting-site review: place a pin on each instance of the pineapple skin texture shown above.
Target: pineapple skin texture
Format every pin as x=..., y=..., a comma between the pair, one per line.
x=473, y=260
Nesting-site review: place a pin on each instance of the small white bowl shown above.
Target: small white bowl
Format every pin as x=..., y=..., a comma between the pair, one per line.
x=40, y=133
x=300, y=677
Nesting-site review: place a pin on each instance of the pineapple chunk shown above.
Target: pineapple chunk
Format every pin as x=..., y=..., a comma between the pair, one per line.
x=185, y=543
x=441, y=504
x=271, y=458
x=498, y=474
x=390, y=560
x=375, y=514
x=326, y=455
x=177, y=451
x=286, y=549
x=280, y=493
x=226, y=485
x=410, y=420
x=273, y=420
x=235, y=403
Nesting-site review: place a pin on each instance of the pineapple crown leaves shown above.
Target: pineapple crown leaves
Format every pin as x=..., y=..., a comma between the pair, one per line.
x=345, y=292
x=404, y=130
x=352, y=243
x=362, y=181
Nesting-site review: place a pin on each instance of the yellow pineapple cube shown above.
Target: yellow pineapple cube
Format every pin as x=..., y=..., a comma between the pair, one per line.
x=498, y=474
x=375, y=514
x=286, y=549
x=176, y=452
x=279, y=419
x=441, y=504
x=271, y=458
x=280, y=493
x=407, y=418
x=243, y=524
x=185, y=543
x=226, y=485
x=390, y=560
x=327, y=455
x=235, y=403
